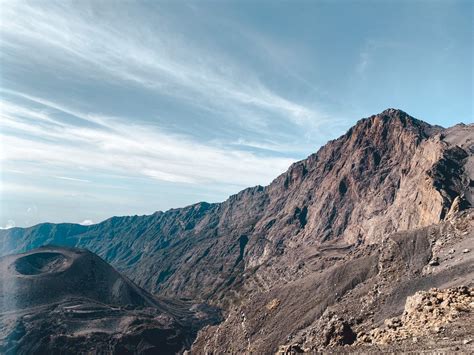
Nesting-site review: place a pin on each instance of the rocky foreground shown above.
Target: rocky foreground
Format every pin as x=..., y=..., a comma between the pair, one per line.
x=433, y=320
x=319, y=259
x=425, y=312
x=347, y=306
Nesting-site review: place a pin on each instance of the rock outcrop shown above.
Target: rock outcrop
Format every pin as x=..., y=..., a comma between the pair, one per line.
x=425, y=312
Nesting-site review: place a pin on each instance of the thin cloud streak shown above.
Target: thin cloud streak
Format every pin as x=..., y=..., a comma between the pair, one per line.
x=71, y=179
x=126, y=148
x=164, y=64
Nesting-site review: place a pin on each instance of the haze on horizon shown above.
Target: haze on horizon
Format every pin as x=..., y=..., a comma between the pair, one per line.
x=122, y=108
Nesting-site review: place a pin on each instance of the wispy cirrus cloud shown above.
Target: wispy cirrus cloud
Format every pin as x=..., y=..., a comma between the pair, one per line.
x=371, y=49
x=68, y=178
x=105, y=103
x=122, y=147
x=161, y=61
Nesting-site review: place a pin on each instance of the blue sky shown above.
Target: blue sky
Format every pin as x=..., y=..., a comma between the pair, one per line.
x=122, y=107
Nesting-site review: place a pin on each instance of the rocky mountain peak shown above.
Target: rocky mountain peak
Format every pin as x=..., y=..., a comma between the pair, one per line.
x=396, y=116
x=391, y=123
x=381, y=176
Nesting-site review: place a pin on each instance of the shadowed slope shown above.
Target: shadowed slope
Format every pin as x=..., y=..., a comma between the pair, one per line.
x=66, y=300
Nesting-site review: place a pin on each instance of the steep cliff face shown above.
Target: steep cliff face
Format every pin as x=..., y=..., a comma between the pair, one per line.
x=346, y=293
x=388, y=173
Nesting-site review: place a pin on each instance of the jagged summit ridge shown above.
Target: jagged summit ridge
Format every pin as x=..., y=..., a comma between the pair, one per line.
x=393, y=120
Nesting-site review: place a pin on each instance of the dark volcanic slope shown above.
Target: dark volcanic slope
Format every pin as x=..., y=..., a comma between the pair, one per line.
x=51, y=274
x=63, y=300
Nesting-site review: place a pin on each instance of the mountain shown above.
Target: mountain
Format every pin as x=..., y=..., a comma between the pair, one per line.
x=64, y=300
x=364, y=212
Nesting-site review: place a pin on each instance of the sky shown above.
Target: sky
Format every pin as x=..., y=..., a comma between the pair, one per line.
x=129, y=107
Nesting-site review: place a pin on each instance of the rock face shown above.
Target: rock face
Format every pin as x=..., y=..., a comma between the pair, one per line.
x=425, y=311
x=351, y=294
x=300, y=245
x=62, y=300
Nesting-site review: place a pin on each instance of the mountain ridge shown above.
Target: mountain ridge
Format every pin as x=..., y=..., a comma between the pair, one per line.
x=368, y=146
x=386, y=112
x=324, y=220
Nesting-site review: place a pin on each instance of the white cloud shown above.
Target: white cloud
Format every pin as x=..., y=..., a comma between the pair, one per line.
x=161, y=62
x=70, y=178
x=125, y=148
x=87, y=222
x=61, y=138
x=10, y=224
x=32, y=209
